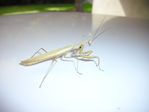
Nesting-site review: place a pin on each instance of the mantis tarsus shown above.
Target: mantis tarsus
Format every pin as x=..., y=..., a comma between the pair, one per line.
x=72, y=51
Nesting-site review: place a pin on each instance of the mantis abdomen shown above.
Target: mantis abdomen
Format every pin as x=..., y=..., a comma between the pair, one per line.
x=47, y=56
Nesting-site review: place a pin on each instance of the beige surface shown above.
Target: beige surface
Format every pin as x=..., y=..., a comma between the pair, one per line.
x=129, y=8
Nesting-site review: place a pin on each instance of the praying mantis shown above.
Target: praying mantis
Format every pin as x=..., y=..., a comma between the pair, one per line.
x=75, y=51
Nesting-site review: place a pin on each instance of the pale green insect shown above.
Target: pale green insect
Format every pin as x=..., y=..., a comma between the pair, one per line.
x=72, y=51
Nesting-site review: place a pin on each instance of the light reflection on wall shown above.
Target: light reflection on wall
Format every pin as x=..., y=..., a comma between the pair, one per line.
x=127, y=8
x=108, y=7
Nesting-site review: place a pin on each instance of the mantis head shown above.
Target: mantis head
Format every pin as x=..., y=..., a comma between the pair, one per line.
x=81, y=46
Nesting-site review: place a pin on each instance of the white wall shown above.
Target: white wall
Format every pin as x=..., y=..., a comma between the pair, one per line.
x=130, y=8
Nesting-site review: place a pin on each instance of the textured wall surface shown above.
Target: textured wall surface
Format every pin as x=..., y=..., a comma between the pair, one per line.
x=129, y=8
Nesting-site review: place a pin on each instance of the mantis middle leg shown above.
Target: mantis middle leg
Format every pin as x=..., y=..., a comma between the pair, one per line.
x=90, y=58
x=75, y=66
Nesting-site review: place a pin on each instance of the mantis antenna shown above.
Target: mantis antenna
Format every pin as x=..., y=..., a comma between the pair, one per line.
x=90, y=40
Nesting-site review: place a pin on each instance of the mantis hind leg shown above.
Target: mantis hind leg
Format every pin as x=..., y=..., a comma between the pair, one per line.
x=38, y=52
x=51, y=66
